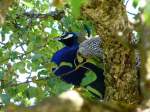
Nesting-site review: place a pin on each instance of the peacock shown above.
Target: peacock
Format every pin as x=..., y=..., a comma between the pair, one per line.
x=69, y=69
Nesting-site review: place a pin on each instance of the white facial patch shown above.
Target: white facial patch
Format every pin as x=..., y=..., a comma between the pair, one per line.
x=68, y=36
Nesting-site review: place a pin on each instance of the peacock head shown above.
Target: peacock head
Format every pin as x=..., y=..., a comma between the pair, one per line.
x=68, y=38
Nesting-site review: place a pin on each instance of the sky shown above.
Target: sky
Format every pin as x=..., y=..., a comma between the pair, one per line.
x=133, y=10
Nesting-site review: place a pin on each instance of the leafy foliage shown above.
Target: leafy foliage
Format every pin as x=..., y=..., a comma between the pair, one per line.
x=27, y=45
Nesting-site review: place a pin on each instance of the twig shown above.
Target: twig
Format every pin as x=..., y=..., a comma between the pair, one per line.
x=17, y=84
x=57, y=15
x=2, y=43
x=39, y=47
x=126, y=3
x=30, y=73
x=131, y=13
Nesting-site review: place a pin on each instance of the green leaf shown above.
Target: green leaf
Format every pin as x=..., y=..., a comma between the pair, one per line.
x=54, y=33
x=20, y=66
x=96, y=61
x=5, y=98
x=87, y=94
x=1, y=75
x=36, y=57
x=90, y=77
x=30, y=5
x=13, y=55
x=34, y=92
x=135, y=3
x=58, y=86
x=61, y=87
x=75, y=6
x=42, y=72
x=94, y=91
x=31, y=92
x=22, y=87
x=1, y=52
x=12, y=91
x=35, y=66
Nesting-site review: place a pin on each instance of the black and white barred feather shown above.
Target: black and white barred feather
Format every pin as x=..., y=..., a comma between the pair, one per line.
x=91, y=48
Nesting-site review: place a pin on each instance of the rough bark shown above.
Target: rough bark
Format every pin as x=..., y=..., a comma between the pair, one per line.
x=110, y=20
x=4, y=5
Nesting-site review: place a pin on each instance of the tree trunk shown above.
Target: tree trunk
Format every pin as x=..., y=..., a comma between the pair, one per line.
x=111, y=22
x=145, y=63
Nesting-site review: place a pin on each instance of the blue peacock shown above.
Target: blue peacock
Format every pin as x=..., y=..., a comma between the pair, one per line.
x=73, y=73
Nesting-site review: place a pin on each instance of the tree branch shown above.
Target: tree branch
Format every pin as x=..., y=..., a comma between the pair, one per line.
x=57, y=15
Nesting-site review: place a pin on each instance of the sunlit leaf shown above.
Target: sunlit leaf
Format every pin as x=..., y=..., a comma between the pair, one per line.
x=135, y=3
x=22, y=87
x=90, y=76
x=94, y=91
x=28, y=4
x=33, y=92
x=58, y=86
x=20, y=66
x=75, y=6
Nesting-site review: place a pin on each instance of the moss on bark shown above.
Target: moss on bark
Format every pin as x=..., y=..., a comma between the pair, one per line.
x=111, y=22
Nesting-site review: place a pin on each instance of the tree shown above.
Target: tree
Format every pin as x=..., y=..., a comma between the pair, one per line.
x=27, y=46
x=110, y=18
